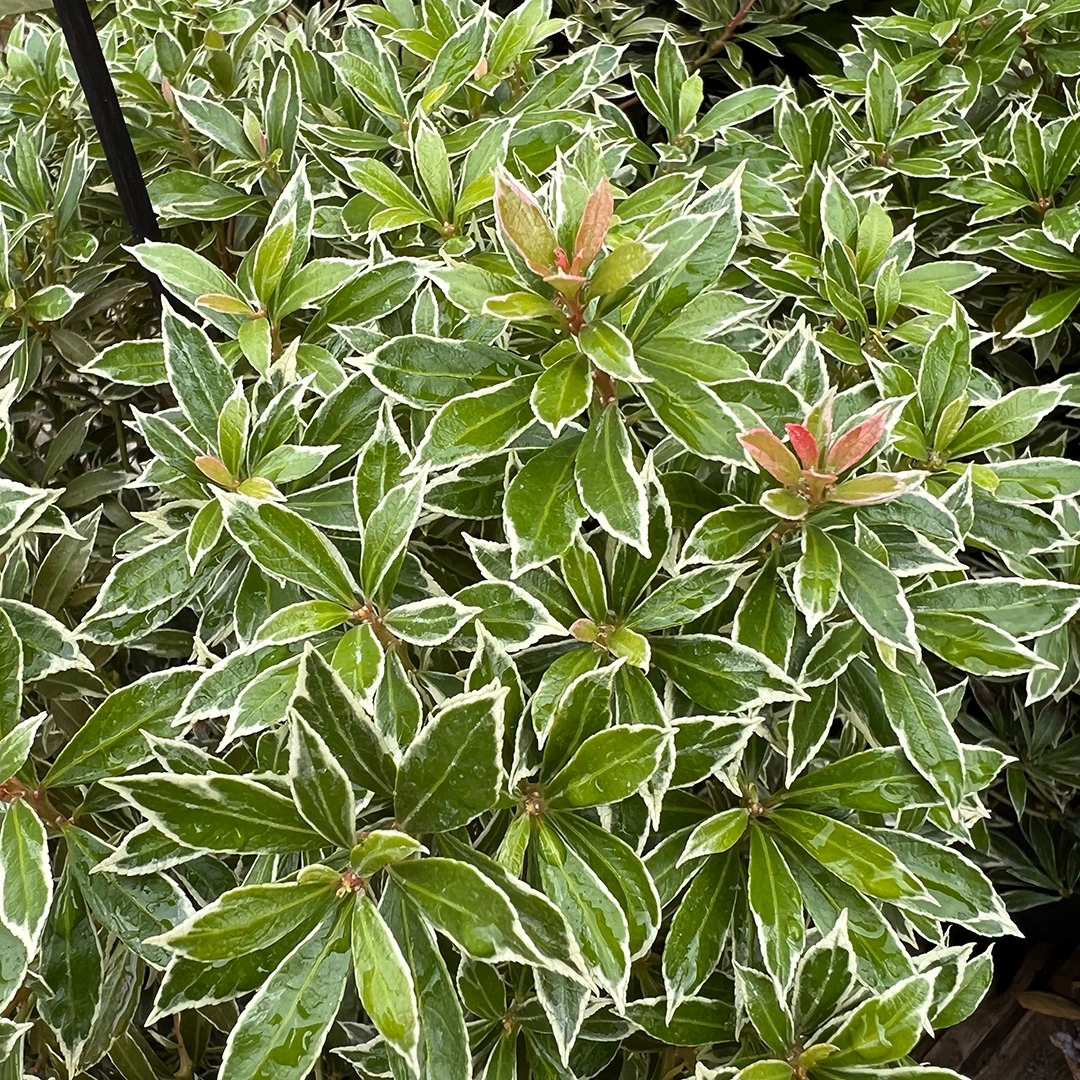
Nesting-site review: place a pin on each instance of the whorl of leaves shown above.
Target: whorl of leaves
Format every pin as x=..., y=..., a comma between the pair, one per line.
x=580, y=578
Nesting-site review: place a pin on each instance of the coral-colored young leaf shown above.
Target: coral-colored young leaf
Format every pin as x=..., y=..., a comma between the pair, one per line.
x=855, y=444
x=772, y=455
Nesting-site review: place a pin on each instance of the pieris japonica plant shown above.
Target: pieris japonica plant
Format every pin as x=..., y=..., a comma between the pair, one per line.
x=578, y=576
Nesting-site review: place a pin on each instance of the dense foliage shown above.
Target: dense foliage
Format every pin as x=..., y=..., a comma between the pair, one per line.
x=580, y=579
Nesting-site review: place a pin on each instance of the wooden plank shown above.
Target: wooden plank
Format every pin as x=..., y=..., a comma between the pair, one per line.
x=1027, y=1053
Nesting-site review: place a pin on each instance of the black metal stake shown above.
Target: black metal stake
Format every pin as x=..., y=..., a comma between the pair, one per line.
x=82, y=41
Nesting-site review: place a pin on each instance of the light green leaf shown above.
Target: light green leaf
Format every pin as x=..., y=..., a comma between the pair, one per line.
x=849, y=853
x=776, y=905
x=384, y=981
x=919, y=721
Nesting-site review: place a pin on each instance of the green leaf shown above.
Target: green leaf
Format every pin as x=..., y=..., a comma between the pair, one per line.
x=453, y=771
x=386, y=534
x=200, y=379
x=131, y=363
x=281, y=1032
x=320, y=789
x=810, y=721
x=698, y=929
x=269, y=258
x=247, y=919
x=698, y=1021
x=71, y=962
x=598, y=922
x=884, y=1028
x=611, y=350
x=584, y=576
x=817, y=576
x=562, y=392
x=48, y=647
x=684, y=598
x=477, y=425
x=541, y=508
x=763, y=999
x=299, y=621
x=324, y=701
x=720, y=675
x=776, y=905
x=313, y=282
x=1020, y=607
x=850, y=854
x=876, y=597
x=826, y=977
x=607, y=767
x=1006, y=420
x=383, y=184
x=622, y=872
x=766, y=618
x=716, y=834
x=429, y=622
x=694, y=413
x=877, y=781
x=728, y=534
x=384, y=981
x=881, y=958
x=621, y=265
x=919, y=721
x=51, y=303
x=111, y=741
x=455, y=61
x=288, y=548
x=974, y=645
x=426, y=372
x=610, y=487
x=772, y=1069
x=978, y=974
x=444, y=1046
x=960, y=891
x=218, y=813
x=706, y=744
x=736, y=108
x=582, y=710
x=543, y=923
x=133, y=907
x=15, y=746
x=380, y=463
x=468, y=908
x=26, y=881
x=1048, y=312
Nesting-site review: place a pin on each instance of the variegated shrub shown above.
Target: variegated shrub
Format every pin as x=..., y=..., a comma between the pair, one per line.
x=579, y=577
